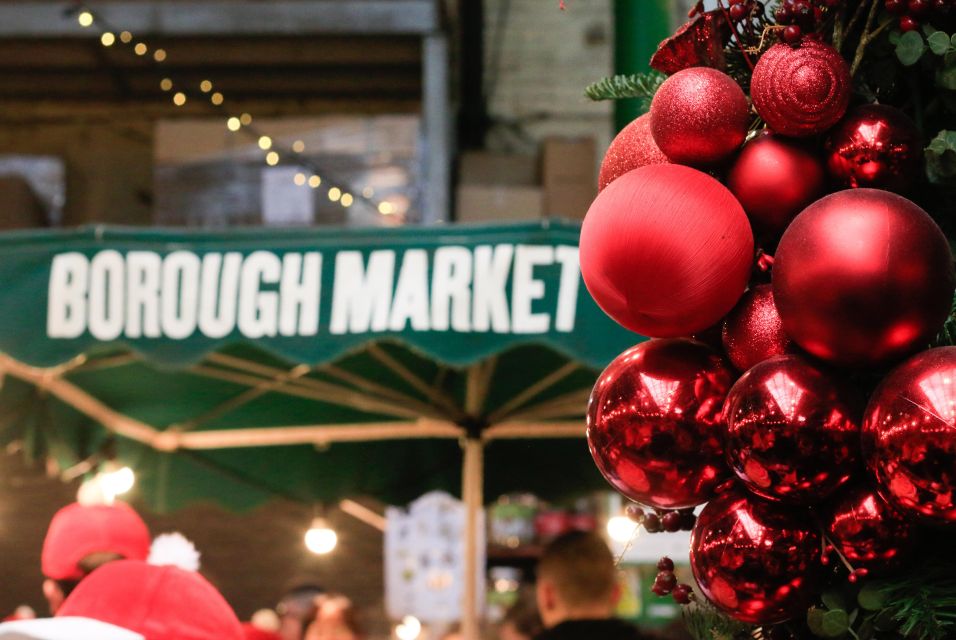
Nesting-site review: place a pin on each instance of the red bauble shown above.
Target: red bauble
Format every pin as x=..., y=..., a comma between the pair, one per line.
x=756, y=561
x=775, y=178
x=634, y=147
x=801, y=91
x=654, y=426
x=666, y=250
x=792, y=431
x=868, y=532
x=753, y=331
x=862, y=277
x=699, y=116
x=909, y=436
x=876, y=146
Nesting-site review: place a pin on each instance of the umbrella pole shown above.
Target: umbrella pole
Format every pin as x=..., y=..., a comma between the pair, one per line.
x=472, y=481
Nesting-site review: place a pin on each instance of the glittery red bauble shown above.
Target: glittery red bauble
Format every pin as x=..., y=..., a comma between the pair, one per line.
x=909, y=436
x=862, y=277
x=654, y=425
x=875, y=146
x=634, y=147
x=868, y=532
x=756, y=561
x=753, y=331
x=666, y=250
x=801, y=91
x=775, y=178
x=792, y=431
x=699, y=116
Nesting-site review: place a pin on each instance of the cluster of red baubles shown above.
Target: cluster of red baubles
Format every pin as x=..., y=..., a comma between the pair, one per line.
x=913, y=12
x=746, y=380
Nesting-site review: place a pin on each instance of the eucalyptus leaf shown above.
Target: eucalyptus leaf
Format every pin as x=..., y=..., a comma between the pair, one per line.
x=835, y=623
x=866, y=630
x=941, y=157
x=953, y=39
x=815, y=621
x=895, y=37
x=946, y=78
x=938, y=43
x=871, y=596
x=910, y=48
x=833, y=599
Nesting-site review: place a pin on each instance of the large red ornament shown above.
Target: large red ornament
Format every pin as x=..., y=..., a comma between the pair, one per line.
x=801, y=91
x=909, y=436
x=775, y=178
x=756, y=561
x=654, y=426
x=632, y=148
x=753, y=331
x=862, y=277
x=792, y=431
x=875, y=146
x=666, y=250
x=699, y=116
x=868, y=532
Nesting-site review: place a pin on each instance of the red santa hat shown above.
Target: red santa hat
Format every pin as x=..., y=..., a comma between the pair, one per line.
x=78, y=531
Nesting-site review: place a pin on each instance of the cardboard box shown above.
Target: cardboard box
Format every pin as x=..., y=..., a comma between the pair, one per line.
x=570, y=201
x=487, y=168
x=488, y=203
x=567, y=161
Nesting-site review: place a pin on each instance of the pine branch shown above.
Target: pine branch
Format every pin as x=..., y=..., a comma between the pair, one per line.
x=704, y=622
x=639, y=85
x=947, y=335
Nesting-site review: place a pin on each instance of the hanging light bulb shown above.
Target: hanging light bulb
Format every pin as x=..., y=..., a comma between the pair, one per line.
x=621, y=528
x=85, y=18
x=107, y=39
x=116, y=480
x=410, y=628
x=321, y=539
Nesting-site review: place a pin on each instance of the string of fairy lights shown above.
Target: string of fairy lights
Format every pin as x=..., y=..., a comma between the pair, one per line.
x=241, y=122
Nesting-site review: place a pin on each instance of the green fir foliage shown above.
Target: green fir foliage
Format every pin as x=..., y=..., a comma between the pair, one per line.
x=642, y=86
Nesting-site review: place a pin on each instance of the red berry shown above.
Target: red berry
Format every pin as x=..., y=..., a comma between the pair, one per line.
x=671, y=522
x=918, y=7
x=682, y=593
x=782, y=14
x=941, y=6
x=652, y=523
x=792, y=34
x=658, y=590
x=635, y=513
x=908, y=24
x=738, y=11
x=895, y=6
x=665, y=564
x=666, y=580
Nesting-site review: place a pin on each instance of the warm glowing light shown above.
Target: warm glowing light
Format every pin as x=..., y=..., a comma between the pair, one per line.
x=347, y=199
x=166, y=84
x=85, y=19
x=179, y=99
x=299, y=179
x=233, y=124
x=245, y=119
x=126, y=37
x=368, y=192
x=108, y=39
x=265, y=143
x=159, y=55
x=205, y=86
x=786, y=393
x=621, y=529
x=217, y=99
x=410, y=628
x=119, y=481
x=140, y=49
x=320, y=538
x=386, y=208
x=272, y=158
x=663, y=391
x=334, y=194
x=315, y=181
x=298, y=146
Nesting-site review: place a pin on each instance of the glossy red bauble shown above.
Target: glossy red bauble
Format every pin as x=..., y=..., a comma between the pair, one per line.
x=753, y=331
x=801, y=91
x=775, y=178
x=875, y=146
x=666, y=250
x=756, y=561
x=863, y=277
x=699, y=116
x=909, y=436
x=868, y=532
x=632, y=148
x=654, y=426
x=793, y=432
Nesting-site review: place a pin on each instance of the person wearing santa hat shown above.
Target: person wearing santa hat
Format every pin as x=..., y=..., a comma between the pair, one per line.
x=82, y=538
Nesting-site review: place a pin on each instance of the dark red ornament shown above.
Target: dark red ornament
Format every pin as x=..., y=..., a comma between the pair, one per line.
x=909, y=436
x=863, y=277
x=756, y=561
x=632, y=148
x=753, y=331
x=699, y=116
x=666, y=250
x=792, y=431
x=868, y=532
x=801, y=91
x=698, y=43
x=654, y=425
x=775, y=178
x=875, y=146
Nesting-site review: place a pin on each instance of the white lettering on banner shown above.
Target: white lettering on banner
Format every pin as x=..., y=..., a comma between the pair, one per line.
x=145, y=294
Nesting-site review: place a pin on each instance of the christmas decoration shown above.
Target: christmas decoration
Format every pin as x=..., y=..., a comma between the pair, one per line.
x=634, y=147
x=756, y=561
x=909, y=437
x=654, y=426
x=699, y=116
x=775, y=178
x=753, y=331
x=868, y=532
x=792, y=431
x=696, y=250
x=699, y=43
x=801, y=91
x=875, y=146
x=863, y=277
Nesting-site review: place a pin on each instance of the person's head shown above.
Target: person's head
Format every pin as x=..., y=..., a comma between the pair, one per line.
x=335, y=619
x=577, y=580
x=296, y=608
x=82, y=538
x=521, y=621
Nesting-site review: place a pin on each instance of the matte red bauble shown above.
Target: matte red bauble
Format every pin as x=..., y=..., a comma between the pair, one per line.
x=801, y=91
x=868, y=532
x=775, y=178
x=875, y=146
x=756, y=561
x=753, y=331
x=632, y=148
x=654, y=425
x=792, y=431
x=699, y=116
x=666, y=250
x=909, y=436
x=863, y=277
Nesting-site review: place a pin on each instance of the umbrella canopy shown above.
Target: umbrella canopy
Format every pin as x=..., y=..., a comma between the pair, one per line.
x=310, y=364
